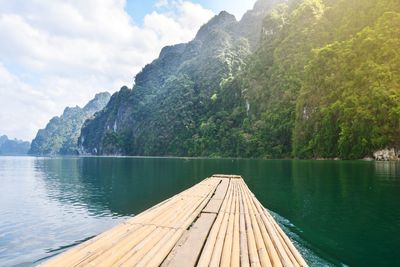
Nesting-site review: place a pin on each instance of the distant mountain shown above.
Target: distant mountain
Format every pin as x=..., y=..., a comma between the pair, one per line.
x=13, y=147
x=61, y=133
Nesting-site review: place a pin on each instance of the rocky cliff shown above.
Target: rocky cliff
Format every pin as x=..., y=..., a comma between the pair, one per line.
x=61, y=134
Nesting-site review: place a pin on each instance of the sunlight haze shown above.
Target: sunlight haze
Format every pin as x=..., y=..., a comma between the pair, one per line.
x=61, y=54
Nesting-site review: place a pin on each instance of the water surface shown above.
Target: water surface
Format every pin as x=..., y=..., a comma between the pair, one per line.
x=337, y=212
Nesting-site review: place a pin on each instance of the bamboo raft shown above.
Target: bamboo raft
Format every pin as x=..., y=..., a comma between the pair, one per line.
x=217, y=222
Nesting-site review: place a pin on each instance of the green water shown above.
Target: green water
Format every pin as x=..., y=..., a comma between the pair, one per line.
x=336, y=212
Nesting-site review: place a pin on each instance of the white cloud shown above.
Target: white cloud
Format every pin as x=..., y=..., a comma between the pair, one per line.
x=60, y=53
x=178, y=25
x=236, y=7
x=161, y=3
x=22, y=106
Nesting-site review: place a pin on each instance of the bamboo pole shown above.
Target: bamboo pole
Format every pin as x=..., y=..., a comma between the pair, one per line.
x=82, y=249
x=88, y=249
x=286, y=241
x=235, y=258
x=219, y=243
x=227, y=244
x=243, y=233
x=251, y=241
x=134, y=254
x=289, y=244
x=160, y=252
x=288, y=252
x=273, y=235
x=244, y=251
x=261, y=248
x=272, y=253
x=127, y=246
x=147, y=215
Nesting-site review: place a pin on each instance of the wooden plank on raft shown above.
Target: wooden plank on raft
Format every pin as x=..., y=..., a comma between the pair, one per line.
x=187, y=251
x=215, y=202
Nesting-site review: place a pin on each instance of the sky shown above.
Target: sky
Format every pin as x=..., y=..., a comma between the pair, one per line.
x=59, y=53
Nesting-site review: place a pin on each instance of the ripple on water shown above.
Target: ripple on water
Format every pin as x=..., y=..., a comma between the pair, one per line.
x=48, y=205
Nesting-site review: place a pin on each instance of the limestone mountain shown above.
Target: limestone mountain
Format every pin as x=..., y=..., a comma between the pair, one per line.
x=178, y=93
x=61, y=133
x=13, y=147
x=296, y=78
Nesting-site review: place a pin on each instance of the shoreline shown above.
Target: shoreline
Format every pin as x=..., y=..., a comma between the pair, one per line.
x=191, y=158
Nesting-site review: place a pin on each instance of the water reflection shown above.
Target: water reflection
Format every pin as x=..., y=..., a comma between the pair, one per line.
x=337, y=211
x=115, y=186
x=387, y=170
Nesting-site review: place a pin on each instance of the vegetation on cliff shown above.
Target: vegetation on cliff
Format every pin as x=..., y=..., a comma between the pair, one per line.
x=302, y=78
x=60, y=137
x=306, y=44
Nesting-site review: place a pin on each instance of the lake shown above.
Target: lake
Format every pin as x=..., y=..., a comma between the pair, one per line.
x=336, y=212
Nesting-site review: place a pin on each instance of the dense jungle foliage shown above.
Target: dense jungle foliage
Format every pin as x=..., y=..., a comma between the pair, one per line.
x=301, y=78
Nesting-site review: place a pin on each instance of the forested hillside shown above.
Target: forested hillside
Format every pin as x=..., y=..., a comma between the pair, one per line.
x=293, y=61
x=350, y=100
x=60, y=137
x=301, y=78
x=178, y=99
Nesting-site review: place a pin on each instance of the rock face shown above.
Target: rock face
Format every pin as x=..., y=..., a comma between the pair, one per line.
x=290, y=79
x=386, y=154
x=177, y=94
x=61, y=134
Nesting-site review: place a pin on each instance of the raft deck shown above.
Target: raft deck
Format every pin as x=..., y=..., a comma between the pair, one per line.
x=217, y=222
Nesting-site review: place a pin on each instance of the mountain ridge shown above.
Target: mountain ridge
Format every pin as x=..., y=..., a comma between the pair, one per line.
x=237, y=89
x=217, y=52
x=60, y=135
x=13, y=147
